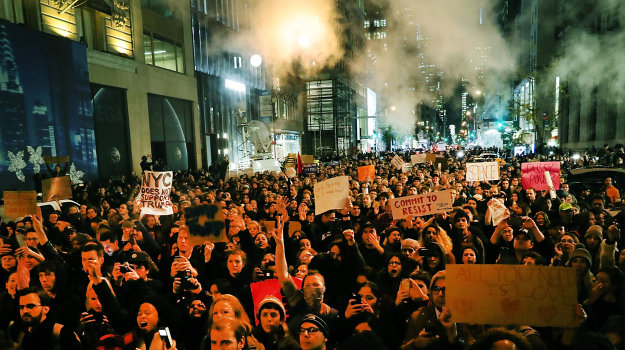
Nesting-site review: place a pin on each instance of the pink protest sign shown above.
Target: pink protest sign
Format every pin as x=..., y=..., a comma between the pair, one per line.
x=533, y=175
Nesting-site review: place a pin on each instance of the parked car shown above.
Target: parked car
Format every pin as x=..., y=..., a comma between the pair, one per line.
x=593, y=178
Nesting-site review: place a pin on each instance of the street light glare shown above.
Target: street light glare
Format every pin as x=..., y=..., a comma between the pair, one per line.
x=393, y=108
x=478, y=92
x=303, y=41
x=256, y=60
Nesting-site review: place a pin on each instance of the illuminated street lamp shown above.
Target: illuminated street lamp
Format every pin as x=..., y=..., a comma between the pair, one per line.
x=256, y=60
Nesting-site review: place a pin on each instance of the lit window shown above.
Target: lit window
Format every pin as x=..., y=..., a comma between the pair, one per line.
x=383, y=23
x=376, y=23
x=366, y=24
x=163, y=53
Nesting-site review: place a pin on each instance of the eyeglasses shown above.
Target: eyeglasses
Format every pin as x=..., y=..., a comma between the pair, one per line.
x=408, y=250
x=437, y=289
x=396, y=263
x=309, y=330
x=29, y=306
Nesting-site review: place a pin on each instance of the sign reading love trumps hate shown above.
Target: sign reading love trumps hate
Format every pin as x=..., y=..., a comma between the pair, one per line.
x=542, y=296
x=331, y=194
x=154, y=197
x=533, y=175
x=421, y=204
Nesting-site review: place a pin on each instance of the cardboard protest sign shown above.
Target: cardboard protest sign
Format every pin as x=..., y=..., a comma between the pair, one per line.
x=331, y=194
x=268, y=225
x=406, y=168
x=294, y=226
x=397, y=162
x=430, y=157
x=441, y=163
x=155, y=190
x=533, y=175
x=418, y=158
x=307, y=158
x=206, y=223
x=55, y=160
x=56, y=188
x=542, y=296
x=19, y=203
x=485, y=171
x=311, y=168
x=366, y=173
x=421, y=204
x=497, y=210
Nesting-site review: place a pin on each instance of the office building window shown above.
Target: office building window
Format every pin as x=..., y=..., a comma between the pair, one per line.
x=163, y=53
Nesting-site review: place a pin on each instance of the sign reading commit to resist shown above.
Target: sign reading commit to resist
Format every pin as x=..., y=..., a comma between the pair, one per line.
x=155, y=191
x=421, y=204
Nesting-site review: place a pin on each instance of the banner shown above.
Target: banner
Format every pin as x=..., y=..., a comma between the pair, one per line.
x=366, y=173
x=397, y=162
x=310, y=168
x=540, y=296
x=418, y=158
x=533, y=175
x=485, y=171
x=56, y=188
x=421, y=204
x=331, y=194
x=155, y=190
x=206, y=221
x=19, y=203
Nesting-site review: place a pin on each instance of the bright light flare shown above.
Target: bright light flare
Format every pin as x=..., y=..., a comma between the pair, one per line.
x=575, y=156
x=256, y=60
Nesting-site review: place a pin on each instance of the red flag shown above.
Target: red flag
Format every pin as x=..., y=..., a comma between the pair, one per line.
x=300, y=165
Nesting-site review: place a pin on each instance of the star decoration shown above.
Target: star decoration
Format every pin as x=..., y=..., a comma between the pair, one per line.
x=35, y=158
x=75, y=175
x=16, y=164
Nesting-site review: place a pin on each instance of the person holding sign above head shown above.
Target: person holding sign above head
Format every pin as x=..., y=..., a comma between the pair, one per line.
x=430, y=327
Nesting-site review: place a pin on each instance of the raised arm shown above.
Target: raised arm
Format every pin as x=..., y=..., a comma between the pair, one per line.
x=282, y=269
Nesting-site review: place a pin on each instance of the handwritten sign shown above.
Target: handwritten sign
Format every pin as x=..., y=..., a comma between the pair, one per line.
x=421, y=204
x=55, y=160
x=155, y=190
x=311, y=168
x=19, y=203
x=533, y=175
x=56, y=188
x=430, y=157
x=485, y=171
x=418, y=158
x=397, y=162
x=268, y=225
x=307, y=158
x=331, y=194
x=406, y=168
x=366, y=173
x=542, y=296
x=207, y=222
x=294, y=226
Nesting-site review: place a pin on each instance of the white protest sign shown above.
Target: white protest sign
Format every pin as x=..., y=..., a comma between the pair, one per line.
x=331, y=194
x=418, y=158
x=497, y=210
x=155, y=190
x=406, y=168
x=485, y=171
x=397, y=162
x=421, y=204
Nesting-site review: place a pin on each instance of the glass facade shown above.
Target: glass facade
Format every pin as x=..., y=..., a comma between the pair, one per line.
x=163, y=53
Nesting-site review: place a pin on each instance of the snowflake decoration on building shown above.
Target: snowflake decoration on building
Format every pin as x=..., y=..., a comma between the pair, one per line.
x=75, y=175
x=16, y=164
x=35, y=158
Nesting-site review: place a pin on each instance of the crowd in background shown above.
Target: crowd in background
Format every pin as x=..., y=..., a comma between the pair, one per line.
x=101, y=276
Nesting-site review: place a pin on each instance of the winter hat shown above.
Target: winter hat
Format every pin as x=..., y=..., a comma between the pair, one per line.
x=409, y=243
x=317, y=321
x=580, y=252
x=271, y=300
x=596, y=231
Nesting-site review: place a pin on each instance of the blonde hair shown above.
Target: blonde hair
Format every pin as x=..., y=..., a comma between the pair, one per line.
x=239, y=313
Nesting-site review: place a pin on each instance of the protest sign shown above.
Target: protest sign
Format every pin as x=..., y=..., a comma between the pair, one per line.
x=205, y=222
x=541, y=296
x=430, y=157
x=441, y=163
x=307, y=158
x=55, y=160
x=56, y=188
x=155, y=190
x=418, y=158
x=485, y=171
x=397, y=162
x=268, y=225
x=310, y=168
x=497, y=210
x=331, y=194
x=421, y=204
x=406, y=168
x=294, y=226
x=533, y=175
x=273, y=287
x=19, y=203
x=366, y=173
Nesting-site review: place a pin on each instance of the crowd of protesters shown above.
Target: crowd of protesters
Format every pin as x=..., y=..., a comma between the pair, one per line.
x=101, y=276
